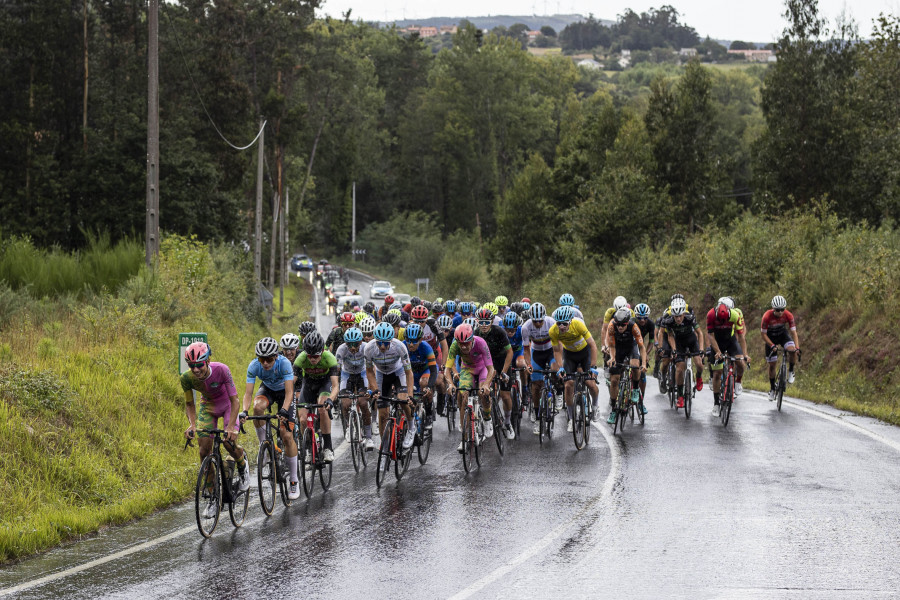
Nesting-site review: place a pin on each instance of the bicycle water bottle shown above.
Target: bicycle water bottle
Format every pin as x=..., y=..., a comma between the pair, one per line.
x=635, y=396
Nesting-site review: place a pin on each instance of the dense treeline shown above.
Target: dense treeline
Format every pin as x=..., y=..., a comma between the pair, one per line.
x=538, y=160
x=656, y=28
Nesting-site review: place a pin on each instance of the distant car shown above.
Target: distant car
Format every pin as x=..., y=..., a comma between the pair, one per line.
x=380, y=289
x=351, y=298
x=339, y=289
x=402, y=298
x=301, y=262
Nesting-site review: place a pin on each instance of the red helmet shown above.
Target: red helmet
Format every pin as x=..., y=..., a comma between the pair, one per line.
x=528, y=300
x=464, y=334
x=419, y=312
x=347, y=317
x=484, y=314
x=388, y=299
x=723, y=313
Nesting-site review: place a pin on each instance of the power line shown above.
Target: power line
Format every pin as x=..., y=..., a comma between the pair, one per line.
x=197, y=92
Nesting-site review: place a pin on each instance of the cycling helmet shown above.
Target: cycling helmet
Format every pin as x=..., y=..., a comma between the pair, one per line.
x=679, y=306
x=266, y=347
x=360, y=317
x=367, y=326
x=353, y=335
x=428, y=305
x=445, y=322
x=538, y=311
x=388, y=299
x=369, y=307
x=197, y=352
x=384, y=332
x=727, y=301
x=621, y=316
x=471, y=322
x=491, y=307
x=466, y=308
x=437, y=308
x=313, y=344
x=392, y=319
x=289, y=341
x=619, y=302
x=450, y=306
x=676, y=297
x=779, y=303
x=526, y=300
x=414, y=332
x=415, y=301
x=563, y=314
x=396, y=306
x=567, y=300
x=511, y=320
x=642, y=310
x=723, y=313
x=526, y=305
x=439, y=300
x=306, y=327
x=516, y=307
x=346, y=317
x=420, y=313
x=464, y=333
x=484, y=314
x=501, y=301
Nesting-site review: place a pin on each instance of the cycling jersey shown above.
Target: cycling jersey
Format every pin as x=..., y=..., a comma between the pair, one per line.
x=686, y=329
x=353, y=363
x=537, y=337
x=687, y=307
x=217, y=389
x=275, y=377
x=396, y=356
x=497, y=341
x=727, y=328
x=628, y=338
x=335, y=339
x=648, y=328
x=777, y=325
x=608, y=315
x=422, y=358
x=515, y=340
x=575, y=337
x=325, y=368
x=478, y=358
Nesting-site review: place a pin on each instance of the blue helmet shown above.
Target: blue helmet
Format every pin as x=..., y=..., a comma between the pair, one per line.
x=466, y=308
x=563, y=314
x=353, y=335
x=384, y=332
x=567, y=300
x=397, y=305
x=511, y=320
x=642, y=310
x=414, y=332
x=445, y=321
x=450, y=306
x=471, y=322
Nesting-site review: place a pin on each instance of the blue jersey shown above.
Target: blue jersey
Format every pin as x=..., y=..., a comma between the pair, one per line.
x=422, y=359
x=515, y=340
x=275, y=377
x=457, y=320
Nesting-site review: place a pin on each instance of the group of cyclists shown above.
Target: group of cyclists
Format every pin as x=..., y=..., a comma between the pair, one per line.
x=432, y=349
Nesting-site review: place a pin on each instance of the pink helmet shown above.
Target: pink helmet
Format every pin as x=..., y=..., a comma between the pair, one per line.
x=197, y=352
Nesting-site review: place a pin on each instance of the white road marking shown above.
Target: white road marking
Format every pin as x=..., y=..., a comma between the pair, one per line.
x=614, y=474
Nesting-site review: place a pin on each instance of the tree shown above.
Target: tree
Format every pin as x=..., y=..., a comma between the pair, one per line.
x=548, y=31
x=739, y=45
x=585, y=35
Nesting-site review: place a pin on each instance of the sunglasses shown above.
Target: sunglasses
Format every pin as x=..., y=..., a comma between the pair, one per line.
x=353, y=344
x=198, y=365
x=266, y=359
x=485, y=323
x=464, y=344
x=313, y=356
x=383, y=344
x=777, y=310
x=562, y=323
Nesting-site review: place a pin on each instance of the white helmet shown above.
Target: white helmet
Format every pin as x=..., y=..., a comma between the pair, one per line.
x=679, y=306
x=779, y=303
x=367, y=326
x=266, y=347
x=619, y=302
x=290, y=341
x=727, y=301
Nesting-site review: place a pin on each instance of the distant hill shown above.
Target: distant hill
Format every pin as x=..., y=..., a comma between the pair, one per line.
x=557, y=22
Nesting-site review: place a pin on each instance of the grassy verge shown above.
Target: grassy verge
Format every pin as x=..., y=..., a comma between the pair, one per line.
x=91, y=411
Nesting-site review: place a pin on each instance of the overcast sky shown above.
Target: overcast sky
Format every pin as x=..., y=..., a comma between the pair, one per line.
x=748, y=20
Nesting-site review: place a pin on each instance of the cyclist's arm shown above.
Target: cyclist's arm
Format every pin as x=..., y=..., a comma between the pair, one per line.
x=288, y=393
x=796, y=338
x=190, y=409
x=370, y=378
x=671, y=337
x=557, y=353
x=235, y=409
x=699, y=331
x=508, y=361
x=636, y=333
x=248, y=396
x=410, y=380
x=335, y=385
x=526, y=351
x=593, y=346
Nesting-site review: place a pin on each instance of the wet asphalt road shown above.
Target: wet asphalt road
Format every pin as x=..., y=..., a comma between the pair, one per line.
x=798, y=504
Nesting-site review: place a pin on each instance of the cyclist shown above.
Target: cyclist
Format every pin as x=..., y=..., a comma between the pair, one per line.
x=501, y=356
x=476, y=370
x=336, y=337
x=367, y=326
x=619, y=302
x=538, y=352
x=512, y=323
x=218, y=398
x=569, y=300
x=684, y=335
x=648, y=332
x=625, y=342
x=502, y=303
x=434, y=336
x=723, y=323
x=352, y=362
x=317, y=368
x=305, y=328
x=388, y=366
x=388, y=301
x=575, y=349
x=289, y=344
x=277, y=387
x=424, y=367
x=778, y=329
x=369, y=308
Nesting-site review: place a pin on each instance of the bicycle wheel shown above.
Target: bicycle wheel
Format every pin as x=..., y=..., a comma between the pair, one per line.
x=725, y=408
x=468, y=441
x=640, y=410
x=588, y=417
x=578, y=420
x=781, y=384
x=451, y=409
x=499, y=428
x=283, y=483
x=688, y=392
x=670, y=382
x=240, y=500
x=541, y=416
x=404, y=455
x=325, y=476
x=516, y=416
x=208, y=492
x=356, y=450
x=425, y=439
x=478, y=422
x=384, y=453
x=307, y=468
x=345, y=419
x=265, y=476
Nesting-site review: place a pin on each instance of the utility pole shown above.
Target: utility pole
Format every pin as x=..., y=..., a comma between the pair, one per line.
x=353, y=229
x=273, y=244
x=285, y=248
x=152, y=232
x=257, y=248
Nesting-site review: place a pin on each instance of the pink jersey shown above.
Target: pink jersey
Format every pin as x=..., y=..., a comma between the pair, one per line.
x=478, y=359
x=216, y=389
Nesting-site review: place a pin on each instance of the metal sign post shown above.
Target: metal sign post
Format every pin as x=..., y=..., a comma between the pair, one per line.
x=424, y=282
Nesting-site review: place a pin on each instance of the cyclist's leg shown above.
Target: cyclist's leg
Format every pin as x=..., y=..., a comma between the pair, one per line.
x=345, y=402
x=325, y=415
x=467, y=379
x=260, y=403
x=771, y=364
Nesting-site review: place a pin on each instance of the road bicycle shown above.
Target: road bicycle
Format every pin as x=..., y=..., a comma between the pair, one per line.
x=689, y=391
x=497, y=415
x=582, y=409
x=781, y=378
x=216, y=486
x=311, y=451
x=354, y=428
x=727, y=397
x=271, y=472
x=546, y=405
x=391, y=448
x=422, y=443
x=450, y=409
x=472, y=428
x=626, y=406
x=518, y=406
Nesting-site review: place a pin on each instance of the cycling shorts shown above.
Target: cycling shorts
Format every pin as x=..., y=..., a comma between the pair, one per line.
x=573, y=360
x=313, y=389
x=687, y=344
x=418, y=376
x=784, y=340
x=208, y=415
x=389, y=382
x=730, y=345
x=352, y=381
x=518, y=353
x=276, y=398
x=472, y=379
x=540, y=359
x=624, y=354
x=498, y=368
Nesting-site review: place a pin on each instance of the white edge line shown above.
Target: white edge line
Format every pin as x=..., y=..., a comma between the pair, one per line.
x=606, y=492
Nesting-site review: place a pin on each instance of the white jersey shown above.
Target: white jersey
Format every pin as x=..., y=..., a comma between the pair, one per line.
x=537, y=337
x=389, y=360
x=576, y=314
x=353, y=363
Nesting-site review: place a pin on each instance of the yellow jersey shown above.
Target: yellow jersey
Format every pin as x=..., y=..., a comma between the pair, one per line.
x=608, y=315
x=574, y=339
